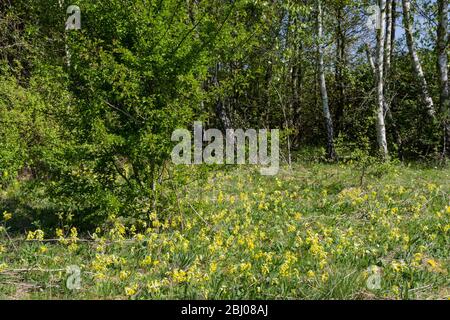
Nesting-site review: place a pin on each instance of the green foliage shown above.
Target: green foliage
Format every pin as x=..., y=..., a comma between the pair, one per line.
x=87, y=115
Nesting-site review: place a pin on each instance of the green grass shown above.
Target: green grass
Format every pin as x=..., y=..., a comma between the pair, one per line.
x=311, y=232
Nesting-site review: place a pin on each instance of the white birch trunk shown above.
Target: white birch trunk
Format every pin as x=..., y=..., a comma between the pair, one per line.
x=442, y=45
x=388, y=38
x=331, y=153
x=417, y=66
x=381, y=126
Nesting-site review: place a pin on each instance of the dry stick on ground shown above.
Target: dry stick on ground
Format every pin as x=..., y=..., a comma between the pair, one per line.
x=32, y=270
x=10, y=240
x=199, y=215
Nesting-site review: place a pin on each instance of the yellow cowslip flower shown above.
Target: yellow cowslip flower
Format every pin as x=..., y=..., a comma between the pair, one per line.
x=298, y=216
x=73, y=233
x=7, y=216
x=258, y=255
x=156, y=223
x=139, y=237
x=250, y=244
x=220, y=198
x=290, y=257
x=30, y=235
x=35, y=235
x=73, y=247
x=43, y=249
x=447, y=209
x=166, y=224
x=179, y=276
x=317, y=250
x=245, y=266
x=298, y=240
x=118, y=232
x=434, y=266
x=284, y=270
x=59, y=233
x=417, y=260
x=213, y=267
x=418, y=256
x=324, y=277
x=153, y=215
x=310, y=274
x=265, y=269
x=154, y=286
x=124, y=275
x=397, y=266
x=147, y=261
x=291, y=228
x=173, y=223
x=131, y=290
x=395, y=234
x=406, y=238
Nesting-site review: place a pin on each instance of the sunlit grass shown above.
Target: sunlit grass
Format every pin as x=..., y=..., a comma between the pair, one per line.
x=311, y=232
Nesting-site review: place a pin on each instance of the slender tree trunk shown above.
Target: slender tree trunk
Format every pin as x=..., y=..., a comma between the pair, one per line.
x=417, y=66
x=331, y=153
x=370, y=59
x=339, y=68
x=393, y=28
x=221, y=110
x=381, y=127
x=388, y=39
x=442, y=46
x=388, y=112
x=388, y=54
x=298, y=89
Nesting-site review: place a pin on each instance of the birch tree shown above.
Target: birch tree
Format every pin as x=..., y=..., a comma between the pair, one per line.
x=381, y=126
x=388, y=38
x=442, y=45
x=417, y=66
x=331, y=153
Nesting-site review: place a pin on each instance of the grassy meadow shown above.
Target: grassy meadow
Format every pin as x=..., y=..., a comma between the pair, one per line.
x=314, y=231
